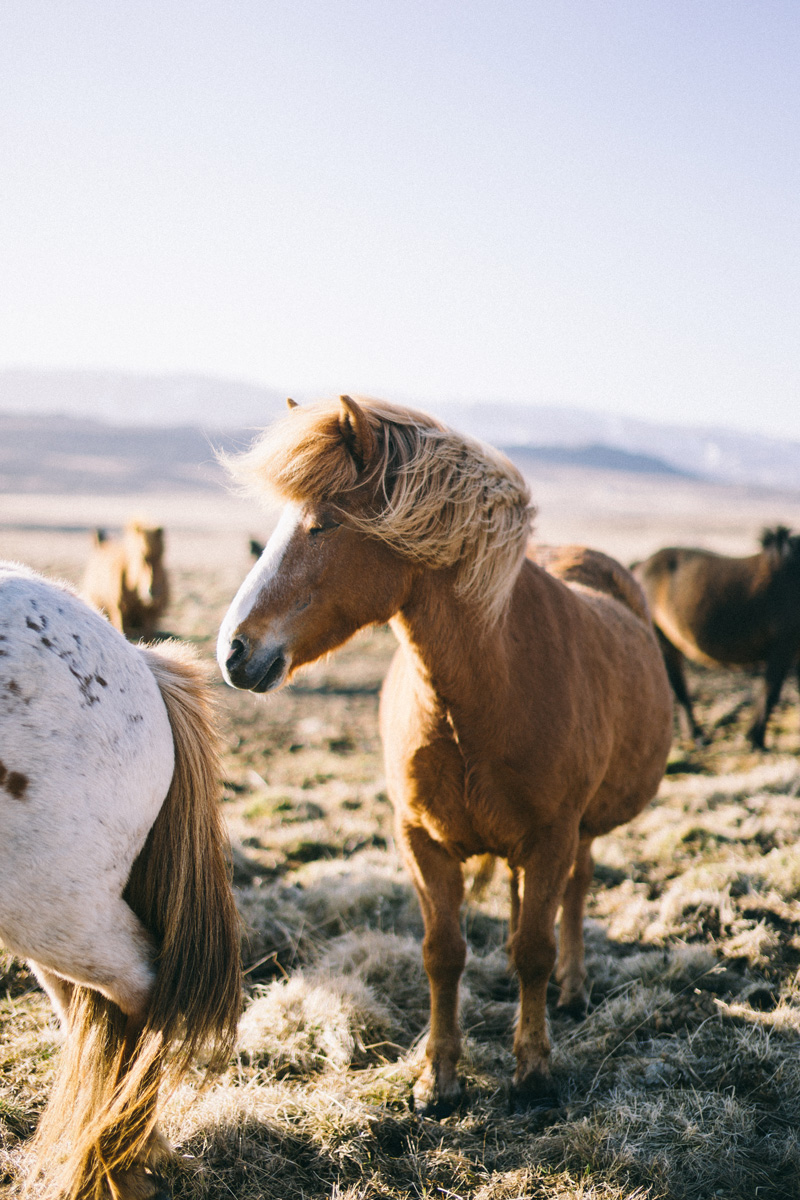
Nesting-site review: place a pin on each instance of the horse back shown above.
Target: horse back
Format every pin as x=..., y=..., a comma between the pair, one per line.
x=720, y=609
x=595, y=570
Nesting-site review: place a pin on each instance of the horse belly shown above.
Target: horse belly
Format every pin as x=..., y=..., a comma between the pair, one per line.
x=636, y=764
x=86, y=759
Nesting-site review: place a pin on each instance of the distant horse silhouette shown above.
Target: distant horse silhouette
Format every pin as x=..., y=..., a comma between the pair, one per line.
x=721, y=611
x=127, y=579
x=523, y=715
x=113, y=881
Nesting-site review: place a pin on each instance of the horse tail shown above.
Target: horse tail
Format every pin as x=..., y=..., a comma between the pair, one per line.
x=179, y=885
x=103, y=1106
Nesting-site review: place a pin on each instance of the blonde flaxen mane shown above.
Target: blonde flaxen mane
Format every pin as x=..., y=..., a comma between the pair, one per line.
x=442, y=499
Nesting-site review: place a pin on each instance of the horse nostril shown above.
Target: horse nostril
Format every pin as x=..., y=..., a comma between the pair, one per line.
x=238, y=651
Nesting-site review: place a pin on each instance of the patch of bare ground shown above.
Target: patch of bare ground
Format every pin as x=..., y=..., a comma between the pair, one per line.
x=683, y=1081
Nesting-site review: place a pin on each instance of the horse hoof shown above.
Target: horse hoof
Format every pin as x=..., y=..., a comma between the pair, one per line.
x=577, y=1008
x=535, y=1091
x=755, y=737
x=431, y=1101
x=435, y=1109
x=164, y=1191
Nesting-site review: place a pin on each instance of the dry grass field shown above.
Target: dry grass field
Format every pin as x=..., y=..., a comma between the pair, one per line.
x=684, y=1079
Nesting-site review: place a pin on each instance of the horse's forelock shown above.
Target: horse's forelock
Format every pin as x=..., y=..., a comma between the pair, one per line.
x=301, y=457
x=438, y=497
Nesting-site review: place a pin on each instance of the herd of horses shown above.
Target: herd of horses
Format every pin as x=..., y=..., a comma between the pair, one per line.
x=527, y=711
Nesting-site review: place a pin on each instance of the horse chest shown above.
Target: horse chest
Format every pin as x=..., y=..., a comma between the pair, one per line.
x=473, y=806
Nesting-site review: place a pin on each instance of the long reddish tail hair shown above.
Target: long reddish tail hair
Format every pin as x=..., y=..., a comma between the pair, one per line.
x=100, y=1120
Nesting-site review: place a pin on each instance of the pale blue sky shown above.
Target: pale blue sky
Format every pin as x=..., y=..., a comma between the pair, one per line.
x=567, y=202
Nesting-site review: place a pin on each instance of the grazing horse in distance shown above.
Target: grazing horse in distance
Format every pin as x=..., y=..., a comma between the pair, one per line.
x=113, y=878
x=526, y=711
x=720, y=611
x=126, y=579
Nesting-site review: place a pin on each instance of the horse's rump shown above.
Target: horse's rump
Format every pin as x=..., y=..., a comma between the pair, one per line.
x=592, y=569
x=92, y=728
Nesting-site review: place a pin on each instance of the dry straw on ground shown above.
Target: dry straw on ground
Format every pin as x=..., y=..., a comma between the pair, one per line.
x=683, y=1082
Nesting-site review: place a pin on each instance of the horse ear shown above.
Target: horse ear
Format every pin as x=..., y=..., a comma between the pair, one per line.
x=290, y=403
x=356, y=431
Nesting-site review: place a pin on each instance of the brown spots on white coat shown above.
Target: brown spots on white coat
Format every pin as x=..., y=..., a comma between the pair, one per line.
x=13, y=782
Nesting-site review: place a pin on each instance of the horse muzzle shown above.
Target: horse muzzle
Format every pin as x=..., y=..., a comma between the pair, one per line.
x=254, y=669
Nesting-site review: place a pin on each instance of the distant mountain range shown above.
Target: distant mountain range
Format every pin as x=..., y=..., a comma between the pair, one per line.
x=57, y=454
x=129, y=432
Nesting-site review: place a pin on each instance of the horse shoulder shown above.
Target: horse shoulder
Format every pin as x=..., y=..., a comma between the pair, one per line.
x=425, y=769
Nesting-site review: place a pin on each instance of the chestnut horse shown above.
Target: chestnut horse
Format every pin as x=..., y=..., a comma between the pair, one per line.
x=126, y=579
x=526, y=710
x=113, y=879
x=721, y=611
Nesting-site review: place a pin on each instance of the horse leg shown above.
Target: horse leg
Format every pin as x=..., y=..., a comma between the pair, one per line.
x=513, y=922
x=778, y=664
x=533, y=949
x=59, y=990
x=570, y=967
x=440, y=886
x=673, y=661
x=111, y=953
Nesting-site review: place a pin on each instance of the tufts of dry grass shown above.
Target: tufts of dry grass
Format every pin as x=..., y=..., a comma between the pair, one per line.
x=683, y=1083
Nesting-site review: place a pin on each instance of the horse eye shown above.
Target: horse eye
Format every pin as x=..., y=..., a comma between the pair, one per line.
x=323, y=526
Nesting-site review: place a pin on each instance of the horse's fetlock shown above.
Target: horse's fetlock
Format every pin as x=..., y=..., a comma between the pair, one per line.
x=532, y=1045
x=138, y=1184
x=755, y=735
x=573, y=1001
x=534, y=1090
x=158, y=1151
x=437, y=1091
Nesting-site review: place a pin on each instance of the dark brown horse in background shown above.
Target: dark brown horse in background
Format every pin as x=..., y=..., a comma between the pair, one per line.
x=526, y=711
x=721, y=611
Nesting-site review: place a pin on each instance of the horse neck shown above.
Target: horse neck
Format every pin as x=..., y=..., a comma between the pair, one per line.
x=455, y=657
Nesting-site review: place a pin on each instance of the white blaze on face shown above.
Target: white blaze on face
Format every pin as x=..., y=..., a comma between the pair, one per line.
x=259, y=578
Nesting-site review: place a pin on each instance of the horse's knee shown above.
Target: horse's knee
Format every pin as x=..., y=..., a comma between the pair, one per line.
x=444, y=953
x=533, y=953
